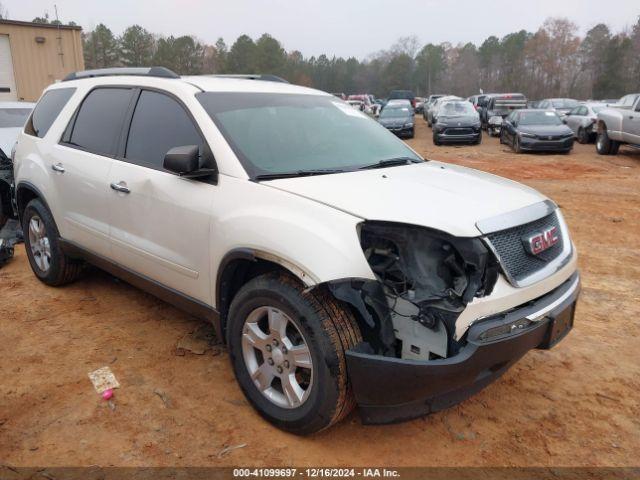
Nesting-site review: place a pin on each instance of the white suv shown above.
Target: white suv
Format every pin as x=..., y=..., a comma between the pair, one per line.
x=339, y=266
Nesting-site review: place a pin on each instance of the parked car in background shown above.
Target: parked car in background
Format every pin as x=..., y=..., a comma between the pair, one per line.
x=501, y=105
x=398, y=118
x=561, y=106
x=626, y=102
x=398, y=103
x=478, y=101
x=618, y=125
x=357, y=104
x=536, y=130
x=13, y=116
x=582, y=121
x=369, y=106
x=533, y=104
x=419, y=105
x=405, y=95
x=433, y=112
x=431, y=100
x=457, y=122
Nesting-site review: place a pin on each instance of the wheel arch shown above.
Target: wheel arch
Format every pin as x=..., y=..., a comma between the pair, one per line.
x=25, y=192
x=241, y=265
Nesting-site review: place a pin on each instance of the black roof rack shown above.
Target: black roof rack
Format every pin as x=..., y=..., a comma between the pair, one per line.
x=254, y=76
x=108, y=72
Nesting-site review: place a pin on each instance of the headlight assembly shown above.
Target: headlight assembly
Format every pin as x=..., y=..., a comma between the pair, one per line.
x=526, y=135
x=430, y=269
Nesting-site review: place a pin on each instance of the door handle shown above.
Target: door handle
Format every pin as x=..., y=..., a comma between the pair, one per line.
x=120, y=187
x=57, y=167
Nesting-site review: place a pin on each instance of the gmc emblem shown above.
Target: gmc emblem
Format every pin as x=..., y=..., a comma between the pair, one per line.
x=539, y=242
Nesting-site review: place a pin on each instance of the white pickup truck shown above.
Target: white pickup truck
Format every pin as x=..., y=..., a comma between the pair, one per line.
x=618, y=125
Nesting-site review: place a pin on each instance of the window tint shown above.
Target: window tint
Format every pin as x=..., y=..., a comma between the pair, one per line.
x=159, y=123
x=99, y=121
x=47, y=111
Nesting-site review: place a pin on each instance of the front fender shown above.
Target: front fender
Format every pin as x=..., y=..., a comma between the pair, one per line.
x=316, y=242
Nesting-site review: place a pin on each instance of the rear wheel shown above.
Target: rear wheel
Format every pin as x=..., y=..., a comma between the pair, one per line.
x=287, y=346
x=42, y=243
x=3, y=216
x=583, y=136
x=604, y=145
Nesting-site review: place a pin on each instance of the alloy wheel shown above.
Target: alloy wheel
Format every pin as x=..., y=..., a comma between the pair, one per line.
x=39, y=243
x=277, y=357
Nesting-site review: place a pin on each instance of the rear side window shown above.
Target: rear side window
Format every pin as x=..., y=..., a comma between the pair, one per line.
x=99, y=121
x=159, y=123
x=47, y=111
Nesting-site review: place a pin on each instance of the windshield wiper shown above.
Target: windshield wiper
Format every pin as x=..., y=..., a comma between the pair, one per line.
x=390, y=162
x=299, y=173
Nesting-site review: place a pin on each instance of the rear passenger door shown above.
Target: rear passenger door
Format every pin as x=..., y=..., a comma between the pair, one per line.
x=81, y=165
x=160, y=221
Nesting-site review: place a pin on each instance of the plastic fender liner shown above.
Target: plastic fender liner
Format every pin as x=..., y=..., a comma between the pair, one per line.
x=369, y=300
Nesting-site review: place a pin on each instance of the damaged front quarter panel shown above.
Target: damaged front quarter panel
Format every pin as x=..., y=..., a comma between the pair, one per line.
x=425, y=280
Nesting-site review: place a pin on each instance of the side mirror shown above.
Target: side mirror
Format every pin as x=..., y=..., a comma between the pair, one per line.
x=185, y=161
x=564, y=120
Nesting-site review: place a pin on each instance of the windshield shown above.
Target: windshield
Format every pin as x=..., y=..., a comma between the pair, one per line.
x=13, y=117
x=275, y=133
x=395, y=112
x=564, y=103
x=456, y=109
x=539, y=118
x=598, y=108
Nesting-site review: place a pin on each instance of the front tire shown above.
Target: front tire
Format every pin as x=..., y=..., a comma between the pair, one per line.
x=516, y=145
x=287, y=347
x=42, y=243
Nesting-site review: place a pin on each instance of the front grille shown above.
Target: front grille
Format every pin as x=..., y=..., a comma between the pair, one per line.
x=515, y=260
x=458, y=131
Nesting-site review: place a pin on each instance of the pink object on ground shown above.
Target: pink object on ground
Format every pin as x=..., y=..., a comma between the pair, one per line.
x=107, y=394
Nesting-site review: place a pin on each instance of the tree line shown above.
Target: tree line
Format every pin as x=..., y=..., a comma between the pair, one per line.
x=554, y=61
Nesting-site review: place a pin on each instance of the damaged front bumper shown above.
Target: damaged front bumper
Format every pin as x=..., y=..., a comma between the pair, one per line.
x=389, y=389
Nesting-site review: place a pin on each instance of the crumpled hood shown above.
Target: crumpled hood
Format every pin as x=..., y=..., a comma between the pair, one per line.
x=441, y=196
x=8, y=137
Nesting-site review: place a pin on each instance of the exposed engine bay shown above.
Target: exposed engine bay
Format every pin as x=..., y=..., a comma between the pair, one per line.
x=425, y=280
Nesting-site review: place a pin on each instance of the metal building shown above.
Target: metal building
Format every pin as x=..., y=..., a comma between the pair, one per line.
x=34, y=55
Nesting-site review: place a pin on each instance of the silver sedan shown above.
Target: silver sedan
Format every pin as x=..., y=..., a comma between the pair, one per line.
x=582, y=120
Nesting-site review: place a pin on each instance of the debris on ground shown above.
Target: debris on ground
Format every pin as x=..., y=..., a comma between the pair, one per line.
x=10, y=234
x=198, y=341
x=164, y=397
x=228, y=449
x=103, y=379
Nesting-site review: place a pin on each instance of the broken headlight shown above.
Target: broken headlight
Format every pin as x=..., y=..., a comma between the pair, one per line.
x=431, y=269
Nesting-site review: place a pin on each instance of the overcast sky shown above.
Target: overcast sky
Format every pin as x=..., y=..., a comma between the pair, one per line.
x=340, y=27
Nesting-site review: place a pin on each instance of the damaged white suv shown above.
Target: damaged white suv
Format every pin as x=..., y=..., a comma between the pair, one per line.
x=339, y=266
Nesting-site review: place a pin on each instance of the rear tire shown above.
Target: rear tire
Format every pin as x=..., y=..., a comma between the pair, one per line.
x=324, y=326
x=583, y=136
x=604, y=145
x=42, y=243
x=3, y=216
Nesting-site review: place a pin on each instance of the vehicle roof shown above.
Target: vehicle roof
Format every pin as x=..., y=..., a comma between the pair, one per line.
x=560, y=98
x=6, y=105
x=207, y=83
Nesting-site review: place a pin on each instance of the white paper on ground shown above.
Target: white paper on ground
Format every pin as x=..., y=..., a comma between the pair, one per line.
x=103, y=379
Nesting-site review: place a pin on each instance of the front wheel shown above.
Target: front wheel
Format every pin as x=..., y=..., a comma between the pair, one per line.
x=287, y=347
x=516, y=145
